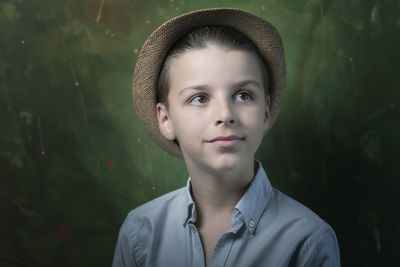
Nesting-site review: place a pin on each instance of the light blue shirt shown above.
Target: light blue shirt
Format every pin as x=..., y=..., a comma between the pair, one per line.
x=268, y=229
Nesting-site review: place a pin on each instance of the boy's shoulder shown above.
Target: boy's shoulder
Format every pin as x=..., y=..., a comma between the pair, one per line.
x=283, y=211
x=160, y=207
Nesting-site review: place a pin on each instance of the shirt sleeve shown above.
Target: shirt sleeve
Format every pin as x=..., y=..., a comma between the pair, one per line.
x=320, y=249
x=124, y=252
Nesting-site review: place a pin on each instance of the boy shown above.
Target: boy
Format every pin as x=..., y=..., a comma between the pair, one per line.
x=207, y=86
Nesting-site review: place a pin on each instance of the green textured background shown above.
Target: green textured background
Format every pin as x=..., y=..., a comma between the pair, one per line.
x=75, y=159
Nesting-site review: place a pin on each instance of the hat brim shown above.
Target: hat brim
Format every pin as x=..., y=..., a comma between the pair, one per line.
x=151, y=57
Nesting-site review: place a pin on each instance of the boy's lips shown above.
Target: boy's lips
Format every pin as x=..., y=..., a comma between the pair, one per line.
x=225, y=138
x=226, y=141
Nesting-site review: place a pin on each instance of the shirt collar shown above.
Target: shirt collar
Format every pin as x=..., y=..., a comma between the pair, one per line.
x=249, y=208
x=191, y=210
x=255, y=199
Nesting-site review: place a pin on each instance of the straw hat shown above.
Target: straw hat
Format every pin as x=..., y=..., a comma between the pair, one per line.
x=154, y=50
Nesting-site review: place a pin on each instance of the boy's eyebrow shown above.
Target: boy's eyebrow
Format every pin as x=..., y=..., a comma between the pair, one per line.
x=195, y=87
x=205, y=86
x=246, y=82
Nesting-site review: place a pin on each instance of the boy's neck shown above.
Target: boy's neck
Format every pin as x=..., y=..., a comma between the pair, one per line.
x=216, y=194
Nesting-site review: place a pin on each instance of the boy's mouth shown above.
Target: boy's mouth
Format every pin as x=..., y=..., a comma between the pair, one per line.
x=226, y=141
x=226, y=138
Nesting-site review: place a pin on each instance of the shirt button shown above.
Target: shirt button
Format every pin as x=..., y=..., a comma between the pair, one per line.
x=193, y=229
x=251, y=223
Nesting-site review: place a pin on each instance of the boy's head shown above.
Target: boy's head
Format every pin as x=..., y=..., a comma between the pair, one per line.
x=218, y=110
x=205, y=37
x=208, y=74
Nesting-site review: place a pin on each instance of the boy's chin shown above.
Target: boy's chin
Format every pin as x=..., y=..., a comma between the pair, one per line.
x=226, y=163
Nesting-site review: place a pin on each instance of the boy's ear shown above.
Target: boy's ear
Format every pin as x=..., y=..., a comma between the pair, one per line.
x=164, y=123
x=267, y=113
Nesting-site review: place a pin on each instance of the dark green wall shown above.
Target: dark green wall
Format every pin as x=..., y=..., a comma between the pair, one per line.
x=75, y=160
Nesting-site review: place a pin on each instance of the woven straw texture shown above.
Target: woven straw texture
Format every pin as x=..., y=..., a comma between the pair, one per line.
x=154, y=50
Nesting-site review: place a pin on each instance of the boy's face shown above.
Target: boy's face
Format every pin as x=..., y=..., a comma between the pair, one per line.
x=217, y=107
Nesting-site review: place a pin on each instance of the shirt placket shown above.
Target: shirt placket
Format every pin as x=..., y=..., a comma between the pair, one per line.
x=198, y=255
x=222, y=249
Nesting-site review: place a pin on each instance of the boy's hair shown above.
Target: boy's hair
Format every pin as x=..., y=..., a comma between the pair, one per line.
x=201, y=37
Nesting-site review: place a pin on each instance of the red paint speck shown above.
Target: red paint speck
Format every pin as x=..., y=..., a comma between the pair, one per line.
x=109, y=165
x=63, y=231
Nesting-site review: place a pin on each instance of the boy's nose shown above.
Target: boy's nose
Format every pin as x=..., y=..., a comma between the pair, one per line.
x=224, y=113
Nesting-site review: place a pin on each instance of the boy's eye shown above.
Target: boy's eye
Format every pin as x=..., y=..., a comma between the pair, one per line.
x=243, y=97
x=198, y=100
